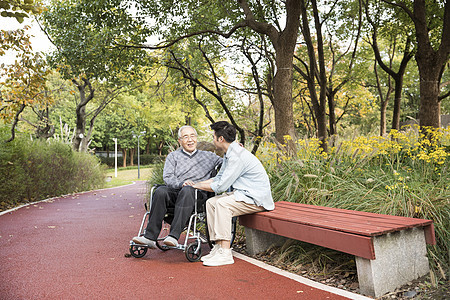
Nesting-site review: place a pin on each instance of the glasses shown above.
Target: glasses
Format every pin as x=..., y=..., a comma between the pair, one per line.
x=187, y=137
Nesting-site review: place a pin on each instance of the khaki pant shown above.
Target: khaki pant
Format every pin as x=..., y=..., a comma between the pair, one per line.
x=220, y=210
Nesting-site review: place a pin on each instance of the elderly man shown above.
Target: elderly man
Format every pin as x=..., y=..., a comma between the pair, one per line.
x=182, y=169
x=245, y=174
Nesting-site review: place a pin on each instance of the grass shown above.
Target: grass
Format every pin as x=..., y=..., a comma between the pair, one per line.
x=127, y=176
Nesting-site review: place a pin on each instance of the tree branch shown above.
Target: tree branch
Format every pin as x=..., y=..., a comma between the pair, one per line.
x=16, y=120
x=167, y=44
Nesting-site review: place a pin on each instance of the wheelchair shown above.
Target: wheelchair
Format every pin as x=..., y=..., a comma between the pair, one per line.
x=196, y=231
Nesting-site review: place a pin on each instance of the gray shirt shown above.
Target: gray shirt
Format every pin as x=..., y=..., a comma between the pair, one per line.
x=180, y=167
x=242, y=171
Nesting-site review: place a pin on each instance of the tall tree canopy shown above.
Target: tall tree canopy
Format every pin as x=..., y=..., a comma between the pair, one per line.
x=84, y=33
x=24, y=81
x=277, y=20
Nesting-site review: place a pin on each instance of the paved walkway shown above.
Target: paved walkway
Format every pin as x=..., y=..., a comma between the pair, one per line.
x=74, y=247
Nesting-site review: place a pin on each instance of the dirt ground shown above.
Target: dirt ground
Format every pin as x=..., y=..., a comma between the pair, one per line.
x=339, y=270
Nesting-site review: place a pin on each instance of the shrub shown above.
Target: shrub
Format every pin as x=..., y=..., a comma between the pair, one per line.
x=34, y=170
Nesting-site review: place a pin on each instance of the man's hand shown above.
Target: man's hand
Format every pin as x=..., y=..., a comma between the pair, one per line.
x=188, y=182
x=204, y=185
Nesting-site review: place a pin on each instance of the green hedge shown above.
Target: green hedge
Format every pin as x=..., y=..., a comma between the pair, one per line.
x=35, y=170
x=145, y=159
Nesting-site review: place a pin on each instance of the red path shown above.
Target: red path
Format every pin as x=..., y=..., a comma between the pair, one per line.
x=74, y=247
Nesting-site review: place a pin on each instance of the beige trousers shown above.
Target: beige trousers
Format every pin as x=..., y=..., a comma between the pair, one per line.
x=220, y=210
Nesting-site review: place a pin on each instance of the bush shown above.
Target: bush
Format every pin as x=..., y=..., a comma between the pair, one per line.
x=34, y=170
x=404, y=174
x=145, y=159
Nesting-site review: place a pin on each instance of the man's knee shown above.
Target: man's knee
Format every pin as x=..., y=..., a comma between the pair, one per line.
x=186, y=196
x=187, y=191
x=211, y=202
x=161, y=192
x=161, y=197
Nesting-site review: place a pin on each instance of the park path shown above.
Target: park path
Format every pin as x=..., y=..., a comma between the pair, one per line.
x=73, y=247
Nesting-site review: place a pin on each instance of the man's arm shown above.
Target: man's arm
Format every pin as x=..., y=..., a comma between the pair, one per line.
x=169, y=172
x=204, y=185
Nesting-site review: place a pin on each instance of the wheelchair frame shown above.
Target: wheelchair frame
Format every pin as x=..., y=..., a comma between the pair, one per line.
x=193, y=250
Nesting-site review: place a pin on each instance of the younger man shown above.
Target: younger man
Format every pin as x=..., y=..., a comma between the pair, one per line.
x=245, y=174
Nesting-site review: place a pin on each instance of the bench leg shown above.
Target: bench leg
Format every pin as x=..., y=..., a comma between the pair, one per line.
x=259, y=241
x=399, y=258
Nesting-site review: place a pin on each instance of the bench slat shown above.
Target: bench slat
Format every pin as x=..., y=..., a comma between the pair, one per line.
x=334, y=222
x=355, y=222
x=341, y=241
x=379, y=217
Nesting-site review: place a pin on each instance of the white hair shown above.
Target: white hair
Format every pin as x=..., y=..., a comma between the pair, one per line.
x=184, y=127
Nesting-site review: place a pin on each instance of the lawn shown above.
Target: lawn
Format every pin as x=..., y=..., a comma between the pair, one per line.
x=127, y=176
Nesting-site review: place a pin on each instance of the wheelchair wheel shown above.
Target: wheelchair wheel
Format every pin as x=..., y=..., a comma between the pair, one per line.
x=190, y=252
x=138, y=251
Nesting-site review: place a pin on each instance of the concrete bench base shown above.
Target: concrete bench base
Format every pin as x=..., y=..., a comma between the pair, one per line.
x=400, y=257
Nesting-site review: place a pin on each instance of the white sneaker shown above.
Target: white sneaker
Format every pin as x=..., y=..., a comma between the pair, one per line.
x=221, y=258
x=211, y=253
x=144, y=241
x=170, y=241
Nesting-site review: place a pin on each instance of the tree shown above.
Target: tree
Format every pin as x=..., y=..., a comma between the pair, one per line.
x=23, y=82
x=322, y=80
x=159, y=107
x=83, y=33
x=398, y=39
x=432, y=30
x=226, y=18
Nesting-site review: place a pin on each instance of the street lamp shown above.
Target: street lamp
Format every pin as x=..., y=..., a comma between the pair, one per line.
x=139, y=162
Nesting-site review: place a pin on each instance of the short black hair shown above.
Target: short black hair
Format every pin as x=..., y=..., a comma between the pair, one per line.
x=225, y=129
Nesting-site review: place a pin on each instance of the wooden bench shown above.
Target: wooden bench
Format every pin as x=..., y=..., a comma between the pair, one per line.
x=390, y=250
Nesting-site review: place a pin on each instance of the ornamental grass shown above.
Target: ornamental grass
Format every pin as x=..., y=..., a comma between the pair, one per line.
x=404, y=174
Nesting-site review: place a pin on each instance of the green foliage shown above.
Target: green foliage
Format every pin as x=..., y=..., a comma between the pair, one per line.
x=189, y=16
x=157, y=174
x=35, y=170
x=19, y=9
x=87, y=35
x=404, y=174
x=22, y=82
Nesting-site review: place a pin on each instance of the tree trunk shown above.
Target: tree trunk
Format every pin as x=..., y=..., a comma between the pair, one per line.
x=316, y=67
x=80, y=126
x=383, y=108
x=430, y=108
x=147, y=146
x=284, y=43
x=430, y=63
x=124, y=157
x=160, y=147
x=332, y=113
x=79, y=141
x=397, y=101
x=283, y=106
x=132, y=150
